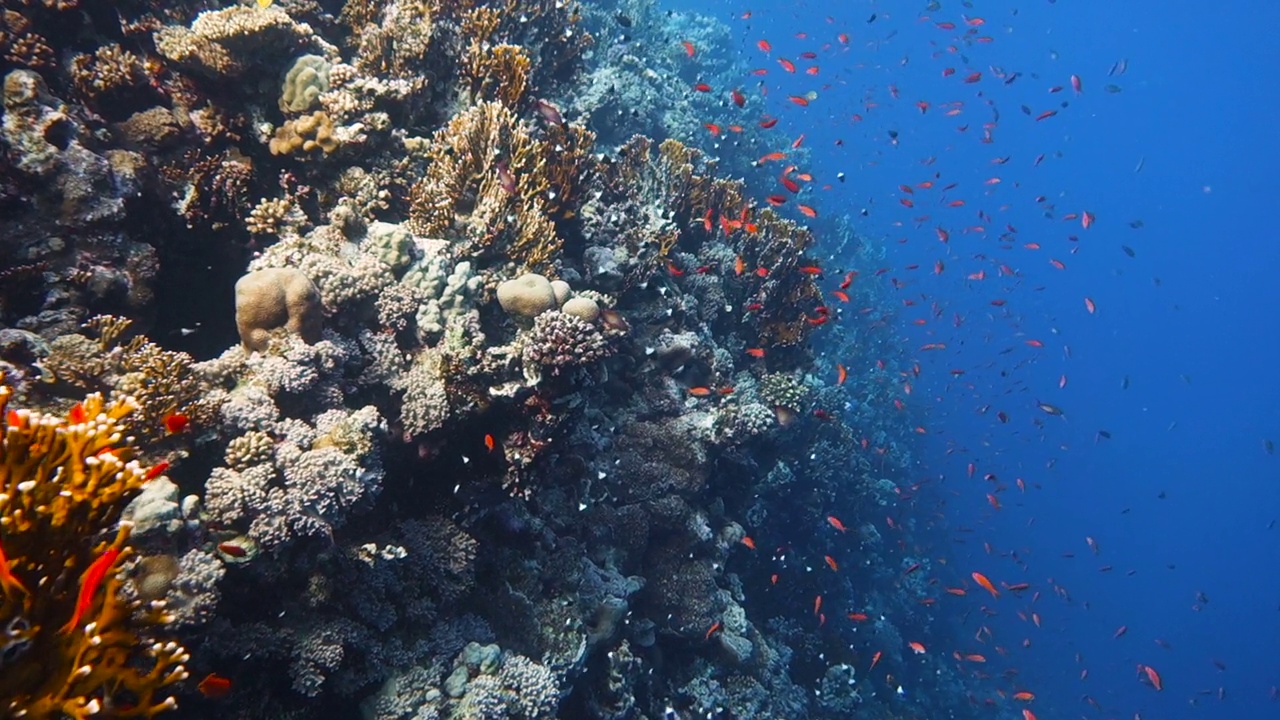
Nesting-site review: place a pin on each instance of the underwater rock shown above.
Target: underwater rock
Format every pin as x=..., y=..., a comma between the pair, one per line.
x=155, y=511
x=583, y=308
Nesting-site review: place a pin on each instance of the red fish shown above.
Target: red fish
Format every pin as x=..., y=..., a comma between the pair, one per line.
x=806, y=210
x=214, y=686
x=702, y=87
x=712, y=630
x=798, y=100
x=740, y=100
x=835, y=523
x=8, y=581
x=787, y=65
x=874, y=659
x=1153, y=677
x=175, y=423
x=89, y=584
x=764, y=45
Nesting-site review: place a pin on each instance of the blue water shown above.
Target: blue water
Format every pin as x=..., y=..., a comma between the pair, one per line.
x=1177, y=363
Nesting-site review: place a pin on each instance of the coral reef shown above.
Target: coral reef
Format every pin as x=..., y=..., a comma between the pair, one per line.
x=74, y=644
x=478, y=373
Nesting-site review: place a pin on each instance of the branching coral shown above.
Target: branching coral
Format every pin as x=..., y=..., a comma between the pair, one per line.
x=159, y=382
x=75, y=646
x=496, y=73
x=492, y=184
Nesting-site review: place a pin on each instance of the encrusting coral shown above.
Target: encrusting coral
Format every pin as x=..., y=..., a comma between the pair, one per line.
x=74, y=645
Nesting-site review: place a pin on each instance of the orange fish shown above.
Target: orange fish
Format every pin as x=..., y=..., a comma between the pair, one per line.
x=771, y=156
x=1153, y=677
x=214, y=686
x=817, y=604
x=746, y=540
x=1028, y=715
x=858, y=617
x=874, y=659
x=699, y=391
x=739, y=265
x=787, y=65
x=764, y=45
x=688, y=48
x=956, y=591
x=835, y=523
x=89, y=584
x=831, y=563
x=1024, y=696
x=755, y=352
x=985, y=583
x=975, y=658
x=489, y=442
x=916, y=647
x=841, y=374
x=1090, y=306
x=798, y=100
x=711, y=631
x=841, y=295
x=806, y=210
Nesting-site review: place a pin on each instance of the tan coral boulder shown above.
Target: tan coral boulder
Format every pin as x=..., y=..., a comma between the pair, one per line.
x=527, y=296
x=276, y=298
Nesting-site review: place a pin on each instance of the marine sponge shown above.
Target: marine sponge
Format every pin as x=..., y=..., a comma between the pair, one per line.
x=274, y=298
x=303, y=83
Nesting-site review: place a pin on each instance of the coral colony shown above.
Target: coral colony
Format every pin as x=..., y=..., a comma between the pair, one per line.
x=508, y=399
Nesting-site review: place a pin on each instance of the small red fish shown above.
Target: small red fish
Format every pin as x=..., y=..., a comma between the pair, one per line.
x=985, y=583
x=8, y=581
x=175, y=423
x=702, y=87
x=831, y=563
x=712, y=630
x=746, y=540
x=874, y=659
x=806, y=210
x=214, y=686
x=489, y=442
x=841, y=374
x=234, y=550
x=755, y=352
x=835, y=523
x=688, y=48
x=89, y=584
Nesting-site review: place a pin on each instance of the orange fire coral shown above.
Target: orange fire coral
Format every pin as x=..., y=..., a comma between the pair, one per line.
x=73, y=644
